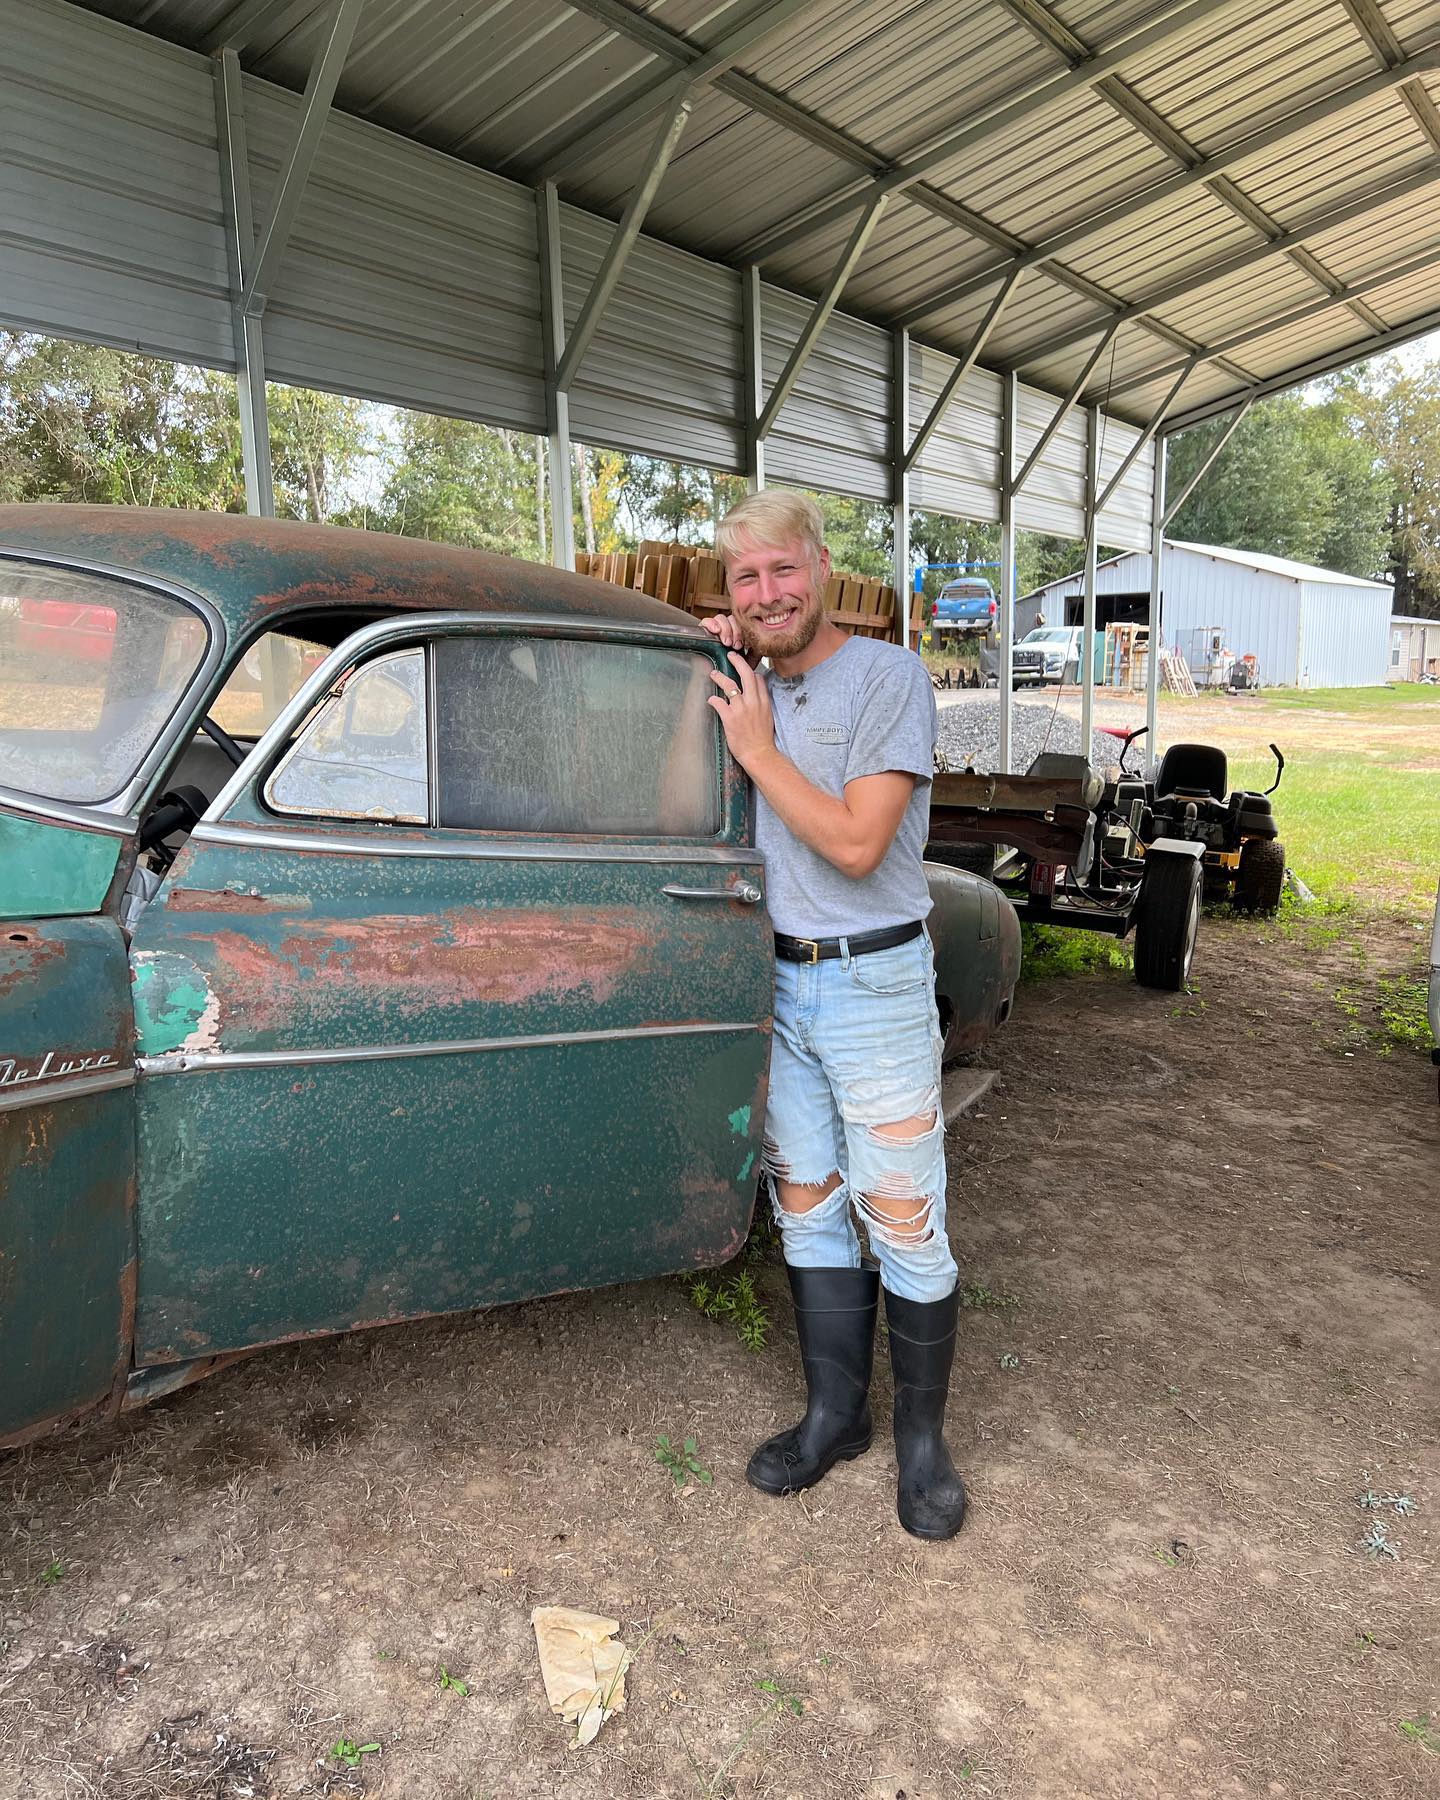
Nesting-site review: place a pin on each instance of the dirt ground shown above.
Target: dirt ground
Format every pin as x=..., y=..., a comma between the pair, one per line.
x=1202, y=1324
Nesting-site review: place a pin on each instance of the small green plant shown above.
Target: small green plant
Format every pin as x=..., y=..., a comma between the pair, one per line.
x=53, y=1572
x=732, y=1297
x=1047, y=953
x=1009, y=1360
x=1168, y=1557
x=979, y=1298
x=1403, y=1004
x=778, y=1694
x=350, y=1753
x=453, y=1684
x=1376, y=1544
x=779, y=1701
x=1423, y=1733
x=682, y=1460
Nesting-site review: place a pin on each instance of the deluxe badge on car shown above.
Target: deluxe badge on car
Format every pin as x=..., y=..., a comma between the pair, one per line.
x=380, y=935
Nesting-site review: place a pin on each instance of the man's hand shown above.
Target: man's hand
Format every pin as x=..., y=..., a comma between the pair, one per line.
x=743, y=704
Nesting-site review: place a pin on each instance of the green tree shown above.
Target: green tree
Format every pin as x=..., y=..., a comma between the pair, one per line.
x=1397, y=411
x=1295, y=480
x=460, y=483
x=79, y=422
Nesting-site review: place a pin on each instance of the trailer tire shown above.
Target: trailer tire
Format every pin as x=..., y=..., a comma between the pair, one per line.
x=1261, y=879
x=1167, y=918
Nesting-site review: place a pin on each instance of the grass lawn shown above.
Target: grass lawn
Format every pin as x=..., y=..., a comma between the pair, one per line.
x=1354, y=700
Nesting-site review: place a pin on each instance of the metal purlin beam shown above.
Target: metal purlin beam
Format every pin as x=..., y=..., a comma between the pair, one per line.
x=960, y=371
x=1168, y=186
x=707, y=65
x=1066, y=406
x=1312, y=309
x=1311, y=370
x=240, y=252
x=820, y=314
x=612, y=266
x=1045, y=91
x=238, y=26
x=314, y=111
x=557, y=401
x=1242, y=261
x=1157, y=419
x=1242, y=412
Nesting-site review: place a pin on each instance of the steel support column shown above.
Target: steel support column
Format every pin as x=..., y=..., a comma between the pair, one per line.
x=907, y=607
x=753, y=399
x=240, y=253
x=1092, y=557
x=1157, y=577
x=557, y=401
x=1009, y=428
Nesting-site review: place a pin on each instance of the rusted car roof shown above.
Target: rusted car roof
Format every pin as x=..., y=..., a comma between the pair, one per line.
x=254, y=570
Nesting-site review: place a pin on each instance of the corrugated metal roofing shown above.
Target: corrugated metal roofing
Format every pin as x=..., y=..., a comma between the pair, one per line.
x=1278, y=565
x=1122, y=105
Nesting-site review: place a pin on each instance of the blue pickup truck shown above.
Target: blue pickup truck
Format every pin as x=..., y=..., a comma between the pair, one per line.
x=964, y=606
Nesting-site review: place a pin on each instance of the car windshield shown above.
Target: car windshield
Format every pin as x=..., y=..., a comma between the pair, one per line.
x=1047, y=634
x=91, y=667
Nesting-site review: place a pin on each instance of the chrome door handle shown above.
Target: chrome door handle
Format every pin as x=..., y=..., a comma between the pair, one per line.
x=746, y=892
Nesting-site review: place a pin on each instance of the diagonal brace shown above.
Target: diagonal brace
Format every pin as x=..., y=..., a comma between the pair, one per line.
x=1240, y=415
x=1066, y=406
x=1157, y=418
x=961, y=370
x=816, y=323
x=314, y=110
x=612, y=267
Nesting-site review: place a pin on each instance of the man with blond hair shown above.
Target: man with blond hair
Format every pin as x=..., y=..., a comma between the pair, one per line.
x=838, y=737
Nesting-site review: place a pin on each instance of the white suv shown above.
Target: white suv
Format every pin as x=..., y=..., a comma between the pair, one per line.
x=1048, y=653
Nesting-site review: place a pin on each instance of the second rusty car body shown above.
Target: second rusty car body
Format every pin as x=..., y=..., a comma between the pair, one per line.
x=380, y=935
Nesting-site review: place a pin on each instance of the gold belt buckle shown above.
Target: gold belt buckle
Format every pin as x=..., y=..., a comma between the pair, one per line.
x=814, y=955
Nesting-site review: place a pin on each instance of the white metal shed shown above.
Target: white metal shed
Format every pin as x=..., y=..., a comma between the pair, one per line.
x=1306, y=627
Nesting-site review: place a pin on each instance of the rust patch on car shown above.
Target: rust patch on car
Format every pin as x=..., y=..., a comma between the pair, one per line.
x=220, y=900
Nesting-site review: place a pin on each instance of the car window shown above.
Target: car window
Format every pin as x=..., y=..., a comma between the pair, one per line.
x=91, y=667
x=362, y=754
x=271, y=672
x=570, y=736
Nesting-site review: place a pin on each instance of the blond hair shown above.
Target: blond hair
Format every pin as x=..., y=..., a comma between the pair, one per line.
x=771, y=519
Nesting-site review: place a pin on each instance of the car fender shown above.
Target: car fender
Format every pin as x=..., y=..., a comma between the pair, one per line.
x=976, y=934
x=1168, y=846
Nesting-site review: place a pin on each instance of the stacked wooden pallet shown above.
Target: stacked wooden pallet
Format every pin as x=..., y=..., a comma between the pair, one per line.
x=1175, y=673
x=693, y=578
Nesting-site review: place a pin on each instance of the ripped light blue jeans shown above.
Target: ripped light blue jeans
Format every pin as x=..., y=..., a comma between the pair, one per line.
x=857, y=1047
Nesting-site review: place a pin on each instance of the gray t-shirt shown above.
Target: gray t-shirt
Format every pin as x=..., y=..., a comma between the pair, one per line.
x=867, y=708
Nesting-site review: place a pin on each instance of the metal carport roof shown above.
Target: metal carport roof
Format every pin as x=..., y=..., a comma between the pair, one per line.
x=978, y=256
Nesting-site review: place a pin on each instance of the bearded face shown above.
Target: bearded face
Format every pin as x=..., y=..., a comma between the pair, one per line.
x=776, y=598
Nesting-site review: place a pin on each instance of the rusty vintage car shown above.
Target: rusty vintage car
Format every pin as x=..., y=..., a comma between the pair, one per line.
x=380, y=935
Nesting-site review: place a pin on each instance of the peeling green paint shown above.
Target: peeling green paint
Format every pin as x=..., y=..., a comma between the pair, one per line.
x=49, y=870
x=746, y=1167
x=170, y=1001
x=740, y=1121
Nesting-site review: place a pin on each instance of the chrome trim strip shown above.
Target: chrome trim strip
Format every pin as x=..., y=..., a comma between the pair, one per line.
x=200, y=1061
x=41, y=1092
x=67, y=812
x=256, y=837
x=430, y=624
x=189, y=704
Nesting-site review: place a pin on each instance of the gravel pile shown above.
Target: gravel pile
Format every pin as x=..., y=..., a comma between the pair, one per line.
x=970, y=732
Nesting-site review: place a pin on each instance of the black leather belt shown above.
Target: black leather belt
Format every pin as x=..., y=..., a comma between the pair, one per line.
x=811, y=950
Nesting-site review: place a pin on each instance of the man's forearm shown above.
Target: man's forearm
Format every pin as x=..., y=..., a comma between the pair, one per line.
x=818, y=819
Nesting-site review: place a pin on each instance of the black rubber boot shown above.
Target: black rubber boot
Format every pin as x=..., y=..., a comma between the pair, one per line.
x=931, y=1496
x=835, y=1316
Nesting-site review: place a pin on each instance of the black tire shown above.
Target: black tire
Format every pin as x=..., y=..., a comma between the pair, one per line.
x=974, y=859
x=1261, y=881
x=1167, y=918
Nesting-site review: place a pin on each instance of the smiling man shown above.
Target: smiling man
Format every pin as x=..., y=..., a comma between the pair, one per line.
x=838, y=737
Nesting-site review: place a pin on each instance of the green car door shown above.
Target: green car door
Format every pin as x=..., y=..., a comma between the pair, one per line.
x=460, y=995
